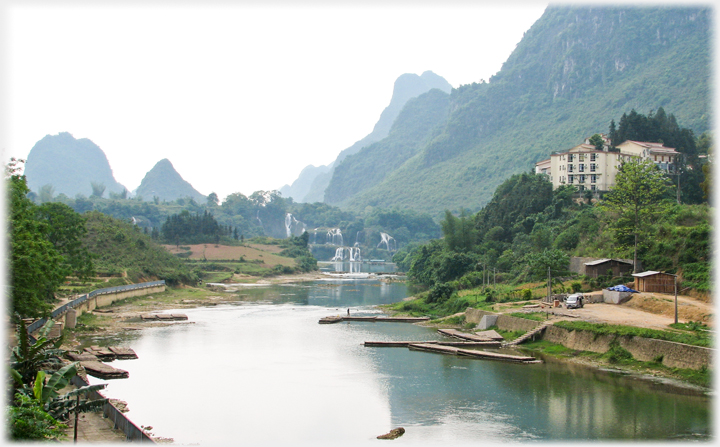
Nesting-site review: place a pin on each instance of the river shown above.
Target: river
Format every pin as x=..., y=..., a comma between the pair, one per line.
x=262, y=371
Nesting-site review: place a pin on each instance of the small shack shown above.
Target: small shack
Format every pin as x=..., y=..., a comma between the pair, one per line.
x=601, y=267
x=657, y=282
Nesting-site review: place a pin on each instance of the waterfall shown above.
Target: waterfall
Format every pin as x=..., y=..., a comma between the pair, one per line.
x=292, y=226
x=359, y=238
x=335, y=237
x=353, y=254
x=288, y=223
x=257, y=216
x=338, y=254
x=389, y=241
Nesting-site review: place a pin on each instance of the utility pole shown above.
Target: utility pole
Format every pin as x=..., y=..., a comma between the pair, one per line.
x=676, y=310
x=549, y=287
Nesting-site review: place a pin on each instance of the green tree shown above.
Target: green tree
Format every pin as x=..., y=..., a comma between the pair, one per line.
x=553, y=259
x=46, y=194
x=634, y=201
x=36, y=268
x=65, y=230
x=597, y=141
x=460, y=233
x=98, y=189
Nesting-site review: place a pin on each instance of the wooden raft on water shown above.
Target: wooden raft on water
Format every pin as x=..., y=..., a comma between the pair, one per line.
x=164, y=317
x=103, y=371
x=404, y=344
x=428, y=347
x=339, y=318
x=109, y=353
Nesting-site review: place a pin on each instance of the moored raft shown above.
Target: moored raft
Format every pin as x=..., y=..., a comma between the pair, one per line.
x=101, y=353
x=404, y=344
x=338, y=318
x=123, y=353
x=486, y=355
x=81, y=357
x=103, y=371
x=331, y=320
x=164, y=317
x=464, y=335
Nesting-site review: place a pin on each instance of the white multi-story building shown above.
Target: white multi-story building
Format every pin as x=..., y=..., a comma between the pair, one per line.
x=586, y=167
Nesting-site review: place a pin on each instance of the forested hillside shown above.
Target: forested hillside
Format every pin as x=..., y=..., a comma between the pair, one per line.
x=414, y=126
x=577, y=68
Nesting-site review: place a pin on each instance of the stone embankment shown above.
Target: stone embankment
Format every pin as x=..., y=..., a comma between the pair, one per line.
x=673, y=355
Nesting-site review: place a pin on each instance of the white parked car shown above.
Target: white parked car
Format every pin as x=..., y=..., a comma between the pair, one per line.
x=574, y=301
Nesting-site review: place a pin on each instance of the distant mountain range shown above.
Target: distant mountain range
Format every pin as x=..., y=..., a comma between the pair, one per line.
x=311, y=183
x=576, y=69
x=69, y=166
x=65, y=165
x=164, y=182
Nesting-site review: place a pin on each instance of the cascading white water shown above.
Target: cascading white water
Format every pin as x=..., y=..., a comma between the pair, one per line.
x=335, y=237
x=292, y=225
x=353, y=254
x=288, y=224
x=389, y=241
x=339, y=252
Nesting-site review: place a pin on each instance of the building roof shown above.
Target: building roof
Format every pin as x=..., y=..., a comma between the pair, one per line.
x=651, y=273
x=652, y=146
x=602, y=261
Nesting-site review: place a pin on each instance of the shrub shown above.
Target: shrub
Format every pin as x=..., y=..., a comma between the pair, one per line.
x=617, y=353
x=526, y=294
x=439, y=293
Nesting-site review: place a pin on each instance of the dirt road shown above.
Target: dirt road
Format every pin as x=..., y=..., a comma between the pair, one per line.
x=650, y=310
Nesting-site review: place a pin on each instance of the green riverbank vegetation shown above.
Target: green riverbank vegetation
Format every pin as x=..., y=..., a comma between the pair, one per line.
x=505, y=252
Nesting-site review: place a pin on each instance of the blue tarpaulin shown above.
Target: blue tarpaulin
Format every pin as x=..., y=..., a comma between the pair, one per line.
x=622, y=288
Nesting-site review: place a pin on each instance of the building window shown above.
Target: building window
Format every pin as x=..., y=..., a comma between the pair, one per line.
x=593, y=178
x=582, y=179
x=655, y=157
x=571, y=158
x=592, y=157
x=570, y=168
x=592, y=187
x=581, y=157
x=581, y=188
x=571, y=178
x=581, y=167
x=592, y=167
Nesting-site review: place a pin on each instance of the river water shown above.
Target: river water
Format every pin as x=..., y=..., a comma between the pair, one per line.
x=262, y=371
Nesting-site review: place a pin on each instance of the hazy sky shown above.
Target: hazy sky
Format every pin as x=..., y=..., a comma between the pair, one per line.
x=239, y=96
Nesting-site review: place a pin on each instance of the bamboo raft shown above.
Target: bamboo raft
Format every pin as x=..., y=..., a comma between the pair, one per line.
x=339, y=318
x=109, y=353
x=164, y=317
x=471, y=337
x=103, y=371
x=486, y=355
x=405, y=344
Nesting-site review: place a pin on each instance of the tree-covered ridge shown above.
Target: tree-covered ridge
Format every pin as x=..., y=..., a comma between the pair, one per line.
x=412, y=128
x=577, y=68
x=121, y=247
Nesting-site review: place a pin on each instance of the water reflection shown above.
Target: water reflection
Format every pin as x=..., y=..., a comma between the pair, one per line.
x=262, y=366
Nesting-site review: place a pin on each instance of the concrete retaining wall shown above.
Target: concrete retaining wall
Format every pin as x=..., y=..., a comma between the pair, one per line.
x=674, y=355
x=108, y=298
x=120, y=422
x=504, y=322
